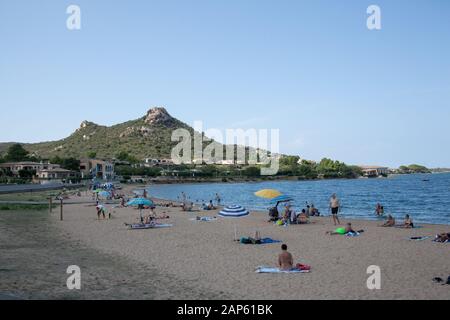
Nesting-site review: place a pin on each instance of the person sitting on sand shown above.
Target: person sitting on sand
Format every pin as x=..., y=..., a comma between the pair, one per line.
x=287, y=214
x=273, y=214
x=408, y=222
x=443, y=237
x=302, y=218
x=293, y=217
x=390, y=222
x=308, y=211
x=149, y=219
x=314, y=211
x=211, y=205
x=285, y=260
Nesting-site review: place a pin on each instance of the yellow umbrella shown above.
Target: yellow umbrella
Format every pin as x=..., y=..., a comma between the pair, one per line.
x=268, y=193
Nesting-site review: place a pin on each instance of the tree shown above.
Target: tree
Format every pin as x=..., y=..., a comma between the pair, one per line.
x=56, y=160
x=71, y=164
x=26, y=174
x=289, y=160
x=418, y=168
x=16, y=153
x=252, y=171
x=122, y=156
x=92, y=155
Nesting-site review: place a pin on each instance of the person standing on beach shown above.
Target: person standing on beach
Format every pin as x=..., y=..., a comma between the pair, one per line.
x=285, y=260
x=334, y=207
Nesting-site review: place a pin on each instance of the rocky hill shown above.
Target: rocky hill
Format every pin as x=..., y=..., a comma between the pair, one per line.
x=149, y=136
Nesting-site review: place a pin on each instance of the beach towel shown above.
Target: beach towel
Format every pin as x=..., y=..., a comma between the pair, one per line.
x=446, y=241
x=419, y=238
x=277, y=270
x=269, y=241
x=204, y=219
x=352, y=234
x=261, y=241
x=148, y=226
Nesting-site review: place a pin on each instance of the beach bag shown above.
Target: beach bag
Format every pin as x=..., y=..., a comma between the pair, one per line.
x=302, y=267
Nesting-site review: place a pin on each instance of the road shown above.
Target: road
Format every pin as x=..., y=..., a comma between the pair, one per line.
x=18, y=188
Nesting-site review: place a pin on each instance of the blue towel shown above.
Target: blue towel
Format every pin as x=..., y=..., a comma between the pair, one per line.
x=269, y=240
x=277, y=270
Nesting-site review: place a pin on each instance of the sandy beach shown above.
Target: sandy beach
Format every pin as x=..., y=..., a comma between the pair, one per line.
x=200, y=260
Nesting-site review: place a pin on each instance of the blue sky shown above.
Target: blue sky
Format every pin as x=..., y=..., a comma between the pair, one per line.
x=310, y=68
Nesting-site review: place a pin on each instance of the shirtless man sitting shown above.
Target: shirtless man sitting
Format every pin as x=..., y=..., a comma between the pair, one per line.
x=285, y=260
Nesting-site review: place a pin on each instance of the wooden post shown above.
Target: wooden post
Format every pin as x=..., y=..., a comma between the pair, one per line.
x=61, y=212
x=50, y=205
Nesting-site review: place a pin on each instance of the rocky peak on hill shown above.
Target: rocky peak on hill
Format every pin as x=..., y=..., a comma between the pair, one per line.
x=86, y=124
x=158, y=115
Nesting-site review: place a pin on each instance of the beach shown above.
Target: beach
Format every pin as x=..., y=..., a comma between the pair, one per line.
x=200, y=260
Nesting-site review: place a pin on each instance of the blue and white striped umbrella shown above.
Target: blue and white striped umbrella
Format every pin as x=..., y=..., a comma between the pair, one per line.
x=233, y=212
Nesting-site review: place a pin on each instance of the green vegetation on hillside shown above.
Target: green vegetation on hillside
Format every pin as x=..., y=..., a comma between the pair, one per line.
x=326, y=168
x=414, y=168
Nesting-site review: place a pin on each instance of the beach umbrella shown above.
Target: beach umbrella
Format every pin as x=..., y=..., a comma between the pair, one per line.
x=234, y=212
x=281, y=198
x=268, y=193
x=139, y=202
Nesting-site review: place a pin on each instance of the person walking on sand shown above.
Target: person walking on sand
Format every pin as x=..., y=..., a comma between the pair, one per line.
x=285, y=260
x=334, y=207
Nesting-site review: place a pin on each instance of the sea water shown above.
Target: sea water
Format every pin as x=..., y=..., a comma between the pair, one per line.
x=426, y=197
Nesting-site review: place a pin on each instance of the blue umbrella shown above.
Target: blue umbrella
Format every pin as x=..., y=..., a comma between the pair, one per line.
x=104, y=194
x=282, y=198
x=140, y=202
